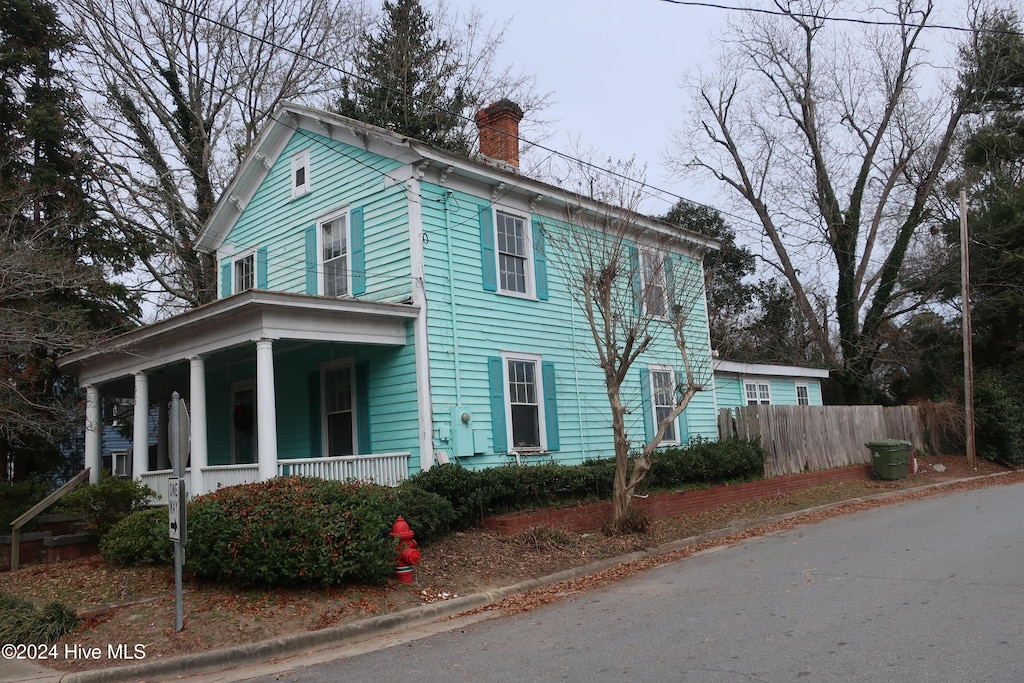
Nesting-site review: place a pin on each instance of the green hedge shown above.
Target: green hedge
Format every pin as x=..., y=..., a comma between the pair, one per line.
x=292, y=530
x=106, y=502
x=475, y=494
x=140, y=538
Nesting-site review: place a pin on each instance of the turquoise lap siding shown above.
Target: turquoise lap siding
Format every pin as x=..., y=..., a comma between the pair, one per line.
x=730, y=391
x=342, y=177
x=483, y=324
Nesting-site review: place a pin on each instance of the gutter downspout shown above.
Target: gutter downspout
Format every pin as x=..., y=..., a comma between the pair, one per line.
x=424, y=404
x=451, y=301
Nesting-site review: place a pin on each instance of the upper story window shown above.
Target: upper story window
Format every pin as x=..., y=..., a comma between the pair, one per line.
x=655, y=290
x=663, y=397
x=757, y=393
x=300, y=174
x=512, y=249
x=513, y=253
x=245, y=273
x=803, y=397
x=334, y=255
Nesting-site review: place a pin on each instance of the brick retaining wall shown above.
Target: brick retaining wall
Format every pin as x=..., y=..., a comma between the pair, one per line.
x=588, y=516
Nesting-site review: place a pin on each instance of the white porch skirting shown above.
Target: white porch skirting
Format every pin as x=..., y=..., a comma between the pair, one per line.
x=388, y=469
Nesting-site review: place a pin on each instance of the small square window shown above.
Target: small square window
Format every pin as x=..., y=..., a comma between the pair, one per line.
x=757, y=393
x=300, y=174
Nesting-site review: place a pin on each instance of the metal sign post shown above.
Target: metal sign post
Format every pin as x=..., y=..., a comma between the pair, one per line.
x=176, y=498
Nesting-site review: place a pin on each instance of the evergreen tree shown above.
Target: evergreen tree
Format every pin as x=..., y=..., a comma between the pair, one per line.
x=409, y=80
x=55, y=251
x=730, y=294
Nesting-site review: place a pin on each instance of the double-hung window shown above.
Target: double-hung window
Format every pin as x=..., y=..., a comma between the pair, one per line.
x=803, y=397
x=757, y=393
x=334, y=255
x=513, y=253
x=655, y=290
x=524, y=403
x=300, y=174
x=245, y=273
x=663, y=398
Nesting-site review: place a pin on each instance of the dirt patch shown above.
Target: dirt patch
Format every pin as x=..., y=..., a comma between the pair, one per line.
x=220, y=616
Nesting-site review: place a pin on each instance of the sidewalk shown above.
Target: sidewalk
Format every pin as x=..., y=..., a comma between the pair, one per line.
x=19, y=671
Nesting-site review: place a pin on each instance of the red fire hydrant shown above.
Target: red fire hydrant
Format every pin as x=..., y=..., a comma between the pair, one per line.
x=408, y=555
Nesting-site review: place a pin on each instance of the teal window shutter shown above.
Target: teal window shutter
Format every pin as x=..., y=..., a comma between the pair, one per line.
x=682, y=421
x=550, y=405
x=488, y=260
x=648, y=404
x=540, y=261
x=496, y=384
x=261, y=268
x=357, y=251
x=225, y=277
x=363, y=407
x=315, y=409
x=636, y=281
x=311, y=260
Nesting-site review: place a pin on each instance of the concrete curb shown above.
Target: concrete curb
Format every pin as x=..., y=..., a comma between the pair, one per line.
x=216, y=660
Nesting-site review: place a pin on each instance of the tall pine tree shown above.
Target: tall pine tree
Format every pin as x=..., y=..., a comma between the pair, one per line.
x=56, y=253
x=408, y=80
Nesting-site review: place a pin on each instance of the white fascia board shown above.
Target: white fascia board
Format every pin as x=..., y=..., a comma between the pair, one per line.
x=285, y=122
x=790, y=371
x=541, y=197
x=240, y=319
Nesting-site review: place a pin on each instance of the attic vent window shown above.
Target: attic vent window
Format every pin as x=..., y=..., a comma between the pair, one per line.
x=300, y=174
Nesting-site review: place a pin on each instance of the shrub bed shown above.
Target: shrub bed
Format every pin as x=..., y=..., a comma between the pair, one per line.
x=140, y=538
x=293, y=530
x=23, y=622
x=106, y=502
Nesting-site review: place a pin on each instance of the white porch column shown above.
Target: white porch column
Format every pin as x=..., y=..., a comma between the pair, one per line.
x=93, y=433
x=197, y=426
x=140, y=427
x=266, y=410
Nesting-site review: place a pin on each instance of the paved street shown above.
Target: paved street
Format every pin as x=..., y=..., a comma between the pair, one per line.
x=925, y=591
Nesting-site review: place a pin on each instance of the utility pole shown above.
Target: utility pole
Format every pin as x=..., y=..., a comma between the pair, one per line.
x=965, y=297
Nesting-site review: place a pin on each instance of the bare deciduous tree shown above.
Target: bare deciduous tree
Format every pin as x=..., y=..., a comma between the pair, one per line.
x=187, y=87
x=640, y=286
x=836, y=142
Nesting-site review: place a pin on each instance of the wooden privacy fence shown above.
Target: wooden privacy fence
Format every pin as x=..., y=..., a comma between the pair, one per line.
x=811, y=438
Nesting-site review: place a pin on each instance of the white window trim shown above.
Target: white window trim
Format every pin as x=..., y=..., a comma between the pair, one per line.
x=350, y=363
x=534, y=358
x=664, y=281
x=807, y=390
x=757, y=384
x=235, y=259
x=320, y=266
x=651, y=369
x=300, y=160
x=531, y=280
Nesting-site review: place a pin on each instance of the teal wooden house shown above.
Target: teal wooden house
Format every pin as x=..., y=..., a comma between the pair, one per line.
x=745, y=384
x=383, y=306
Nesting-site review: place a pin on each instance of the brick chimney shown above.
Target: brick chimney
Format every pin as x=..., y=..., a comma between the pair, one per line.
x=499, y=131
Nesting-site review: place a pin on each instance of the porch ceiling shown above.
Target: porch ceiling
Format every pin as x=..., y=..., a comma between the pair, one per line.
x=241, y=319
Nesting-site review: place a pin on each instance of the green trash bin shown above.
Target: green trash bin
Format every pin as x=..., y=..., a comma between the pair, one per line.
x=890, y=458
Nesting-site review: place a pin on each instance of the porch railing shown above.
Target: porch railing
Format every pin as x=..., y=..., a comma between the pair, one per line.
x=389, y=469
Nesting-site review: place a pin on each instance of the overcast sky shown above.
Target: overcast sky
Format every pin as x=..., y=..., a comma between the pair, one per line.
x=613, y=68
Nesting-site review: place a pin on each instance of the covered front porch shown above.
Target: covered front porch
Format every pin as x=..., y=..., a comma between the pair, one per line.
x=275, y=384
